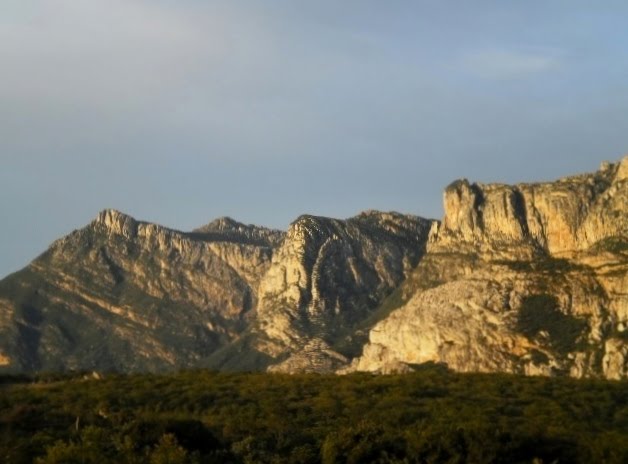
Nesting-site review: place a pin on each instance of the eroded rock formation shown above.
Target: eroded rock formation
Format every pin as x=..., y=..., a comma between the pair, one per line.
x=128, y=295
x=531, y=278
x=329, y=276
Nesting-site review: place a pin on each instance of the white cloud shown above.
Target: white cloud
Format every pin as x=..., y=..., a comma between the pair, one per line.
x=504, y=64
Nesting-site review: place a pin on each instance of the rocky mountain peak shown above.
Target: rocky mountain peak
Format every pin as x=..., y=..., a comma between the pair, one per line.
x=309, y=227
x=228, y=229
x=527, y=278
x=567, y=215
x=117, y=222
x=329, y=274
x=128, y=295
x=622, y=170
x=222, y=224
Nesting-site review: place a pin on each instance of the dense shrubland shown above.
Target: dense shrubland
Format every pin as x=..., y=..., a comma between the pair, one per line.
x=430, y=416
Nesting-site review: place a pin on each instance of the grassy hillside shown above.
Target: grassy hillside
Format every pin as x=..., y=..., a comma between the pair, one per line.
x=429, y=416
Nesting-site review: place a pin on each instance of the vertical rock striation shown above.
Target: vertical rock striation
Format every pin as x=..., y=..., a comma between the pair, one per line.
x=328, y=277
x=561, y=217
x=531, y=278
x=126, y=295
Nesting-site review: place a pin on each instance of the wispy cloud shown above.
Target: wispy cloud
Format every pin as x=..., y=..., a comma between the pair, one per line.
x=508, y=64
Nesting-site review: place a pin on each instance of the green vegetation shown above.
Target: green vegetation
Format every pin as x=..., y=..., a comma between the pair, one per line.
x=540, y=313
x=430, y=416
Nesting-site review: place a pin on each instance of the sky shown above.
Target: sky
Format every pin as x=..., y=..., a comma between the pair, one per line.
x=178, y=112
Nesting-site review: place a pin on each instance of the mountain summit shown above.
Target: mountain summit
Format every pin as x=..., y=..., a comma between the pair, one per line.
x=529, y=278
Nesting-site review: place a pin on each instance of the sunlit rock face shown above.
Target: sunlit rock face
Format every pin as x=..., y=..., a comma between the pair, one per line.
x=559, y=217
x=122, y=294
x=329, y=275
x=126, y=295
x=530, y=279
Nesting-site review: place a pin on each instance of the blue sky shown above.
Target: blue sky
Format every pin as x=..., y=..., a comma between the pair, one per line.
x=182, y=111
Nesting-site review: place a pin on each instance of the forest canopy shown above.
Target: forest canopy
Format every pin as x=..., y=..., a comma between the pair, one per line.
x=430, y=416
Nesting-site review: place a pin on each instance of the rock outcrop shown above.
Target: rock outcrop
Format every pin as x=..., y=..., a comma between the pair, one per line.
x=227, y=229
x=328, y=276
x=128, y=295
x=122, y=294
x=559, y=217
x=531, y=279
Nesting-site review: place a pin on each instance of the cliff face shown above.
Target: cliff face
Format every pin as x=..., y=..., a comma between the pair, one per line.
x=128, y=295
x=327, y=277
x=531, y=278
x=559, y=217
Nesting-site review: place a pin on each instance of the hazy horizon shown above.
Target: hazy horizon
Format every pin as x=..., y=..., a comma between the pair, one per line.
x=178, y=113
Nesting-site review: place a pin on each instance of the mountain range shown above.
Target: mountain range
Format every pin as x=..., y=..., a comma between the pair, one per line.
x=527, y=278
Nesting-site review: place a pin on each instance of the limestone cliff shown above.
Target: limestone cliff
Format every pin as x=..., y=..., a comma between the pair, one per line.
x=328, y=276
x=128, y=295
x=531, y=278
x=559, y=217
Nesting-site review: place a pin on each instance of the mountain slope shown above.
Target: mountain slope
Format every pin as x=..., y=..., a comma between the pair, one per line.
x=530, y=278
x=327, y=277
x=127, y=295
